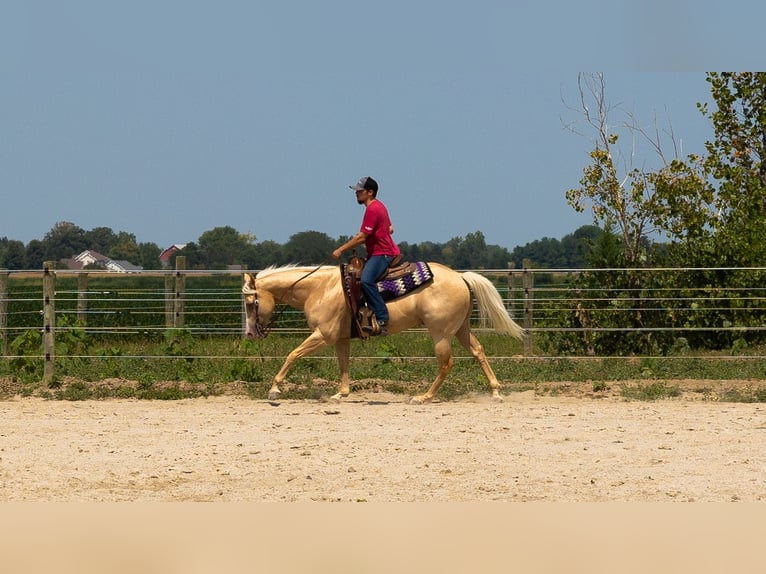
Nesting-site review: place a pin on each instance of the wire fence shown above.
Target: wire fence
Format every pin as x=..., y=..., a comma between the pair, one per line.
x=568, y=313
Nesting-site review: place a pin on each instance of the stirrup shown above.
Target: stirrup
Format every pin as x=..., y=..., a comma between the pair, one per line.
x=376, y=328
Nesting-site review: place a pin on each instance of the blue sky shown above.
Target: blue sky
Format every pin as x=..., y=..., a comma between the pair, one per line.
x=169, y=118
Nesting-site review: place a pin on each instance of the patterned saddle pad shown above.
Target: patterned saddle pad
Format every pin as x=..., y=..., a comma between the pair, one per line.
x=417, y=274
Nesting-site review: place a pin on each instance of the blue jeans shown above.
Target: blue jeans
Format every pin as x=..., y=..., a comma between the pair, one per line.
x=373, y=269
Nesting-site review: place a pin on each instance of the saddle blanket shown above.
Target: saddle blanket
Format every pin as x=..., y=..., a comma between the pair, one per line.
x=393, y=288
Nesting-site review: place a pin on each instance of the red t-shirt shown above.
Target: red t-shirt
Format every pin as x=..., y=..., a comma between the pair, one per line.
x=376, y=224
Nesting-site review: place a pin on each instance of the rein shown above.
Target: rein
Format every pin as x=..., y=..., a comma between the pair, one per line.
x=263, y=330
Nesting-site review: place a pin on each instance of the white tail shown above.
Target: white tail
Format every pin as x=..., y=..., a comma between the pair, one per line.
x=491, y=308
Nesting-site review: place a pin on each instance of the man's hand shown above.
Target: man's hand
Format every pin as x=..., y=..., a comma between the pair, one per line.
x=358, y=239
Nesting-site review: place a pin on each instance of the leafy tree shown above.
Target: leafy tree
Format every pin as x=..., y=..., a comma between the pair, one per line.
x=470, y=253
x=3, y=248
x=629, y=203
x=605, y=251
x=430, y=251
x=222, y=246
x=194, y=257
x=568, y=253
x=736, y=162
x=124, y=248
x=101, y=239
x=263, y=254
x=635, y=201
x=310, y=247
x=12, y=254
x=35, y=255
x=497, y=257
x=149, y=256
x=64, y=240
x=545, y=252
x=711, y=209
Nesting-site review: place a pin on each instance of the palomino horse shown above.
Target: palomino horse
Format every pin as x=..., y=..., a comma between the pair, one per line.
x=443, y=306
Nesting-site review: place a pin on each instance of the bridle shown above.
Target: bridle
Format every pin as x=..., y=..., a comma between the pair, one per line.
x=263, y=329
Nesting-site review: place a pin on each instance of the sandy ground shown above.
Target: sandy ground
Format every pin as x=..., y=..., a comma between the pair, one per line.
x=377, y=448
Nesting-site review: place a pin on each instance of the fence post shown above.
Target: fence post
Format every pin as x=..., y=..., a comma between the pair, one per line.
x=528, y=282
x=180, y=292
x=49, y=321
x=4, y=312
x=82, y=298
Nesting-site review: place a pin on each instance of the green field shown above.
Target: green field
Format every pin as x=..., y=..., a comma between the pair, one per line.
x=177, y=364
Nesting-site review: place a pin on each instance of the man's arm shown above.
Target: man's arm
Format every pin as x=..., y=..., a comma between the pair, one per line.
x=356, y=240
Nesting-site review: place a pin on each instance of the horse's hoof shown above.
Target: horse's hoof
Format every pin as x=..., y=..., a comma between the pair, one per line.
x=497, y=398
x=274, y=395
x=338, y=397
x=419, y=400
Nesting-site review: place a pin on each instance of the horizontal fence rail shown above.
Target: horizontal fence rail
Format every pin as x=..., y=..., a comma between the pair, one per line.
x=567, y=313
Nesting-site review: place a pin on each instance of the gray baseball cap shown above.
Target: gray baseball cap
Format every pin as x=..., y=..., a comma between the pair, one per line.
x=365, y=183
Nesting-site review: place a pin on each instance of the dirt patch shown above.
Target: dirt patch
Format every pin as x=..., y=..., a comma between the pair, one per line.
x=570, y=444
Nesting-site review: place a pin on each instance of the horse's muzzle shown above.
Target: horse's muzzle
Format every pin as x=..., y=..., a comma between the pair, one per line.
x=256, y=333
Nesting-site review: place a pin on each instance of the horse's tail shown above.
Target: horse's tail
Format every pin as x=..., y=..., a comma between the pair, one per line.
x=491, y=308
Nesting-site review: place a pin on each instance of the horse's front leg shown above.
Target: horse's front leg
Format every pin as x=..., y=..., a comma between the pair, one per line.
x=311, y=344
x=343, y=352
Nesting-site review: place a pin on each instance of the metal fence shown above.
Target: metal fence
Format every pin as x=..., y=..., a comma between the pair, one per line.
x=555, y=306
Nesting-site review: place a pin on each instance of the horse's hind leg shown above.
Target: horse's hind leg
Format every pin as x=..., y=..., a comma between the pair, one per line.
x=472, y=345
x=443, y=349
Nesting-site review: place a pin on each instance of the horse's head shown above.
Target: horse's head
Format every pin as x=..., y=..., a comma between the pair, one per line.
x=259, y=306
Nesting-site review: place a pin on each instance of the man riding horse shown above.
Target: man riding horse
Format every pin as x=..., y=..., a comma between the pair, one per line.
x=375, y=234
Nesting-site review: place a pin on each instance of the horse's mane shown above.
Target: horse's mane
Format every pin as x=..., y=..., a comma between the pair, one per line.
x=273, y=269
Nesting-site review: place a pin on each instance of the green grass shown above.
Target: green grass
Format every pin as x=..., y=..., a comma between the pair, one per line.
x=651, y=391
x=176, y=364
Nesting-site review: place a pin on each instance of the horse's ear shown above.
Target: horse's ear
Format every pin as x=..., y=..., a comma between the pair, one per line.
x=249, y=280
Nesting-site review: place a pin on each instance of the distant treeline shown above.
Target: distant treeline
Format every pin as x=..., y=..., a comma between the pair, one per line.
x=222, y=247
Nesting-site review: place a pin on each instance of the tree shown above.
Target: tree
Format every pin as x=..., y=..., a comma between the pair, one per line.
x=497, y=257
x=149, y=256
x=712, y=209
x=101, y=239
x=618, y=193
x=263, y=254
x=35, y=256
x=575, y=246
x=736, y=161
x=629, y=203
x=430, y=251
x=13, y=255
x=426, y=251
x=568, y=253
x=545, y=252
x=64, y=240
x=193, y=255
x=124, y=248
x=222, y=246
x=310, y=247
x=471, y=252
